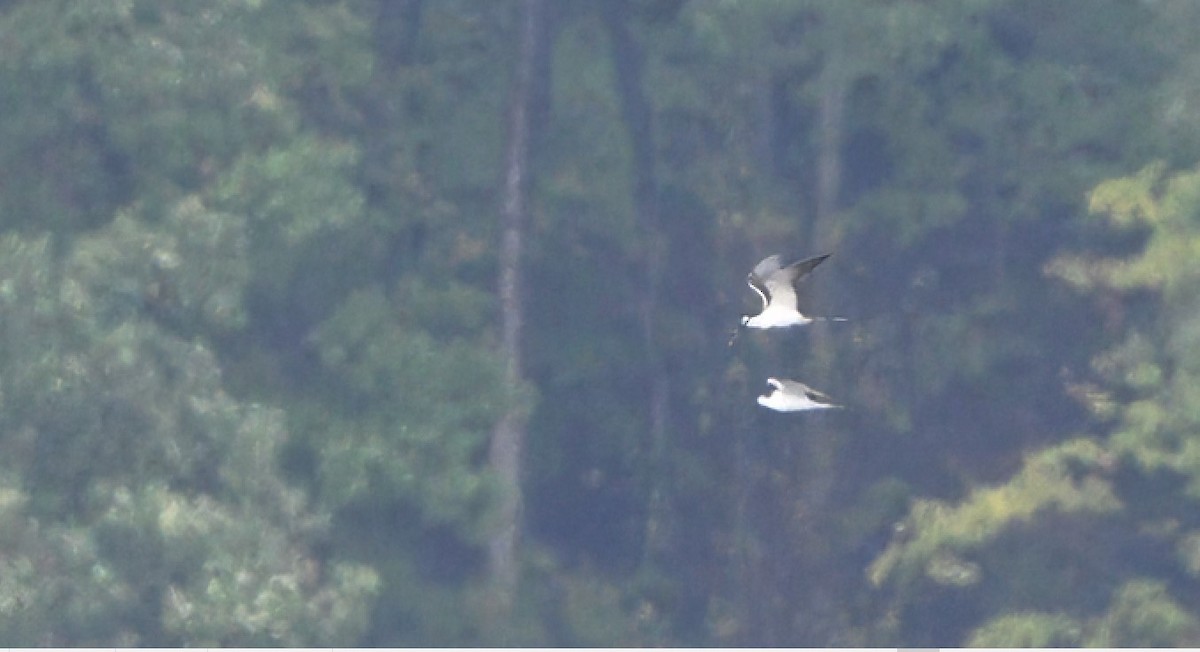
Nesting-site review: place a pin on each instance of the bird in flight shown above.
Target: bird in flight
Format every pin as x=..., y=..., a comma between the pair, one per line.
x=794, y=396
x=776, y=286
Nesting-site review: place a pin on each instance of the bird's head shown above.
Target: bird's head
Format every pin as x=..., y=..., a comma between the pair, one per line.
x=745, y=319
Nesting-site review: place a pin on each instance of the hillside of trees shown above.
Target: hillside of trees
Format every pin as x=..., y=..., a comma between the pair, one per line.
x=406, y=323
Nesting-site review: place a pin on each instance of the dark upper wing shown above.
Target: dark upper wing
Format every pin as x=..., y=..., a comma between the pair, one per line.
x=774, y=283
x=817, y=397
x=781, y=285
x=798, y=270
x=797, y=388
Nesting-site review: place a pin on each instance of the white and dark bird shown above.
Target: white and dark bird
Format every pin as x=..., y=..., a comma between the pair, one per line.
x=794, y=396
x=776, y=286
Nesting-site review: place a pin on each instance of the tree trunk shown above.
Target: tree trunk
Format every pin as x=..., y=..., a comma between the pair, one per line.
x=398, y=23
x=508, y=438
x=627, y=65
x=816, y=626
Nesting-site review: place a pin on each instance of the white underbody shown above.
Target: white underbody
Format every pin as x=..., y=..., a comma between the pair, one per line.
x=790, y=403
x=777, y=317
x=792, y=396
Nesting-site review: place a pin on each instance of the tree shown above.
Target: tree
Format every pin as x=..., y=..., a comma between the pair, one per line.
x=141, y=500
x=507, y=446
x=1102, y=487
x=276, y=322
x=147, y=500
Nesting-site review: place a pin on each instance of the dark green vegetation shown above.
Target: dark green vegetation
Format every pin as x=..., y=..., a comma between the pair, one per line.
x=253, y=352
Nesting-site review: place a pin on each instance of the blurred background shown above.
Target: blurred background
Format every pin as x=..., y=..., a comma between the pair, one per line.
x=405, y=322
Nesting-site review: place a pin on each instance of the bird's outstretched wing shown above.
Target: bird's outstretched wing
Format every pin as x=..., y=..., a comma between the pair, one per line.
x=766, y=267
x=798, y=270
x=817, y=397
x=760, y=276
x=775, y=284
x=781, y=284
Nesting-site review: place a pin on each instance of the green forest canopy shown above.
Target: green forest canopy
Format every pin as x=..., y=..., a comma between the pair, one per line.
x=252, y=359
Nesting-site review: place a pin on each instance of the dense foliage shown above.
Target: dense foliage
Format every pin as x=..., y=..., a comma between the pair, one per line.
x=251, y=355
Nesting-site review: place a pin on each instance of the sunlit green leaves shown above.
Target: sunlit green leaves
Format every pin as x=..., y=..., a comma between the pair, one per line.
x=1067, y=478
x=1145, y=389
x=292, y=192
x=254, y=586
x=191, y=269
x=1158, y=425
x=1027, y=630
x=112, y=101
x=1143, y=614
x=1167, y=208
x=102, y=396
